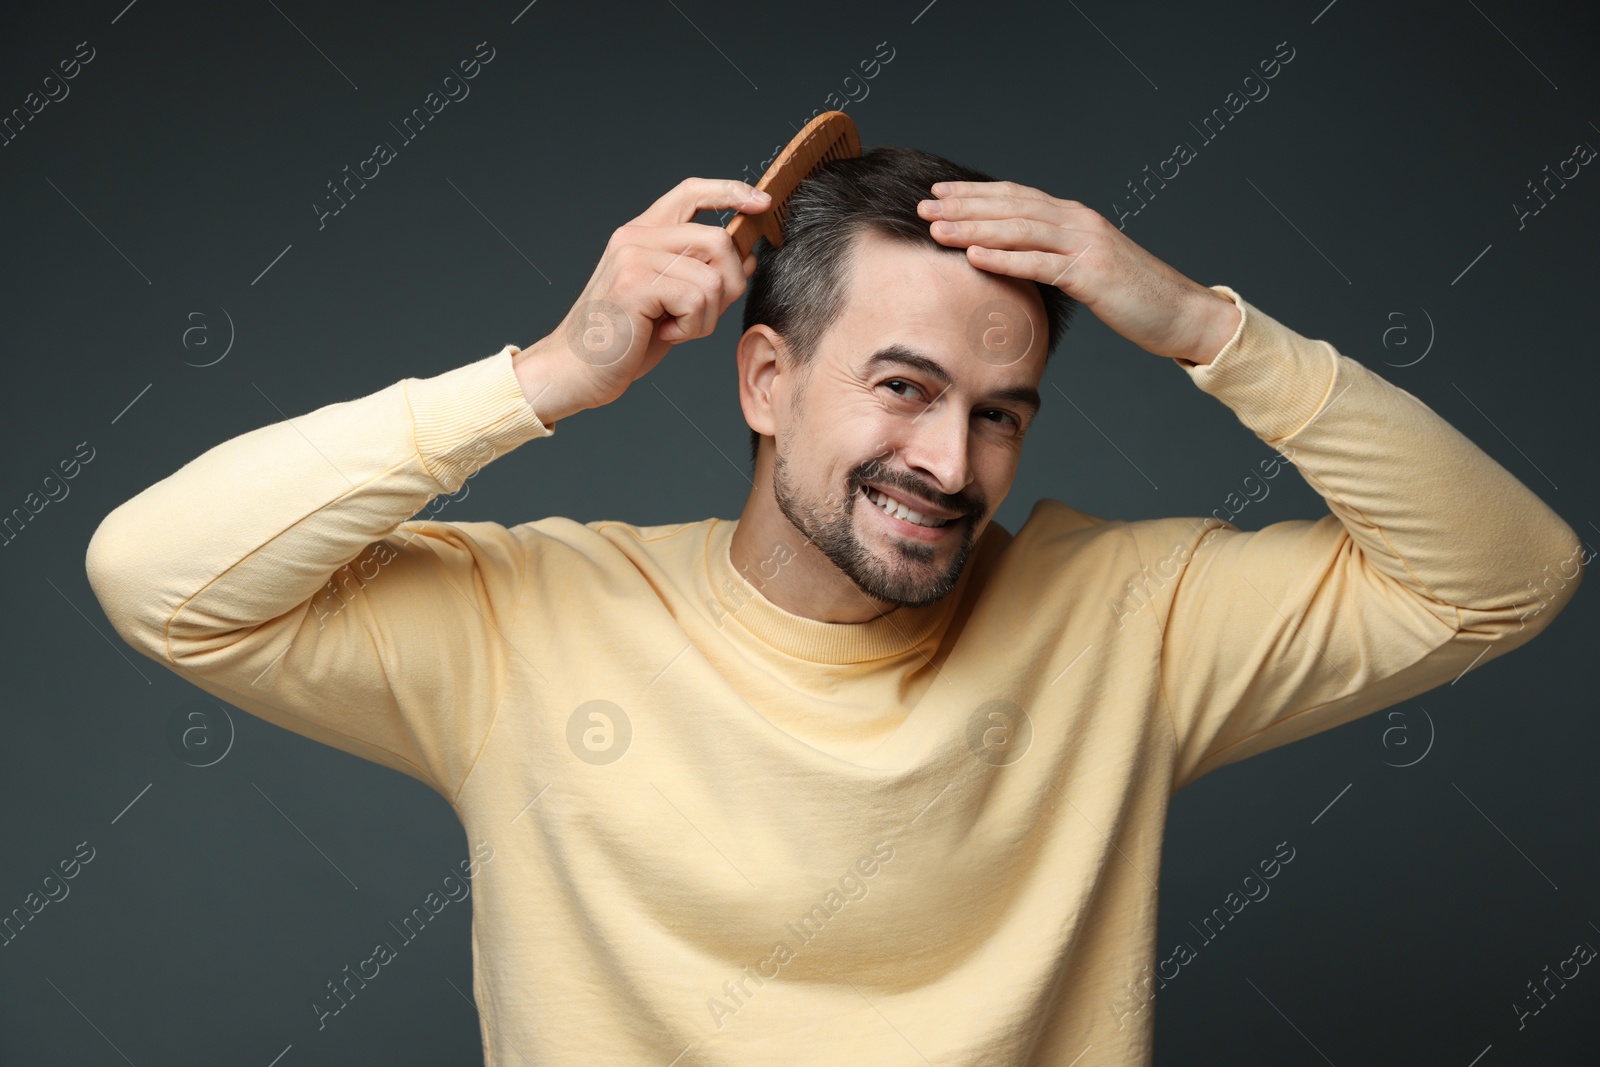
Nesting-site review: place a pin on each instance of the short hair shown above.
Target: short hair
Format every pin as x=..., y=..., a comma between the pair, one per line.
x=798, y=288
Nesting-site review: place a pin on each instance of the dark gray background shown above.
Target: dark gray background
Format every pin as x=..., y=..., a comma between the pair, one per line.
x=1348, y=202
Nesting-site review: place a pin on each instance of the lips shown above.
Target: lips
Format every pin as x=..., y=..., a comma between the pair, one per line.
x=906, y=528
x=921, y=507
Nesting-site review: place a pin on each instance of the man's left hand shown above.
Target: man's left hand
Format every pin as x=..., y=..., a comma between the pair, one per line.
x=1025, y=233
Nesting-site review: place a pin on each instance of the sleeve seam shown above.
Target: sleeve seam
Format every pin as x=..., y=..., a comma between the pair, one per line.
x=1161, y=644
x=1162, y=618
x=1384, y=535
x=505, y=675
x=166, y=629
x=166, y=635
x=422, y=772
x=1328, y=493
x=1285, y=720
x=1291, y=716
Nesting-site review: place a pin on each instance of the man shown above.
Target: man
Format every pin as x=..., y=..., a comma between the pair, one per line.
x=861, y=777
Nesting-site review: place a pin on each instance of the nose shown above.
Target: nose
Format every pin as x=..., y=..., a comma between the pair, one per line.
x=937, y=447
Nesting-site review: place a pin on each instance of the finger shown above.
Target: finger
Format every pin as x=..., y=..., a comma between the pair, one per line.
x=1012, y=233
x=688, y=291
x=691, y=195
x=996, y=207
x=705, y=244
x=1050, y=268
x=946, y=189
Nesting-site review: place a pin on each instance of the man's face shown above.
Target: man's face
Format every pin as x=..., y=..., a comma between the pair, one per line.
x=919, y=390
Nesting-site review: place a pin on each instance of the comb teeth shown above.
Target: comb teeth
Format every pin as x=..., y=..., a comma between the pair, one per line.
x=837, y=150
x=830, y=136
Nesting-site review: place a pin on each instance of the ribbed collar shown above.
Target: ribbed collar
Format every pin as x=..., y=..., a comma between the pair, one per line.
x=891, y=634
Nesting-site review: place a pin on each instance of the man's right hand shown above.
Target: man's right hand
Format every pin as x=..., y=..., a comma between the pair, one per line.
x=662, y=280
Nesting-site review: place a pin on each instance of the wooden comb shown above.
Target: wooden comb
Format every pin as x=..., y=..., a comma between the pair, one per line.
x=831, y=135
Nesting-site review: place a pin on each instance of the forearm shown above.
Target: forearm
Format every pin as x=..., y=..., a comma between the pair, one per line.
x=253, y=528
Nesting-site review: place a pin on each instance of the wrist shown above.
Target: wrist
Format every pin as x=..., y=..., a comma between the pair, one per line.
x=546, y=375
x=1219, y=318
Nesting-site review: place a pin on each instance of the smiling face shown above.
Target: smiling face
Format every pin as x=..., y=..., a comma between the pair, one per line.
x=921, y=389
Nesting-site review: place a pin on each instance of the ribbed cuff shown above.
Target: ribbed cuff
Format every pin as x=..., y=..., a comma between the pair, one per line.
x=1273, y=378
x=465, y=417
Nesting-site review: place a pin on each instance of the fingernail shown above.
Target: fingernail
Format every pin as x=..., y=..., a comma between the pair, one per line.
x=762, y=194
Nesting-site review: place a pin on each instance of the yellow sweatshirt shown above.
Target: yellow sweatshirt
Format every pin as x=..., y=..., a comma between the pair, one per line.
x=723, y=834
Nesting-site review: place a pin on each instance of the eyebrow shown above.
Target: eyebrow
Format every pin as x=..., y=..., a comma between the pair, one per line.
x=1022, y=395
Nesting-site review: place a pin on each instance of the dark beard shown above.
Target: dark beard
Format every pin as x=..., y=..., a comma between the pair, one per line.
x=835, y=536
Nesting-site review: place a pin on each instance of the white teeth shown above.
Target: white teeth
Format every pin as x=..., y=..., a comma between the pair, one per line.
x=900, y=511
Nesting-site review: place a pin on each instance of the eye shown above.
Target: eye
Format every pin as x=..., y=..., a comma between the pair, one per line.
x=1016, y=422
x=900, y=381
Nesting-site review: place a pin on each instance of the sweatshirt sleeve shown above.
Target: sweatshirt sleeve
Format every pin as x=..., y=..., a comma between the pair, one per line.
x=278, y=571
x=1434, y=559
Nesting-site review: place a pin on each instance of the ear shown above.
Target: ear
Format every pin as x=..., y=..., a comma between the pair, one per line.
x=757, y=355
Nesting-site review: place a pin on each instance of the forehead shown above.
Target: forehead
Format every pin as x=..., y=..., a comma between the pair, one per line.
x=936, y=301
